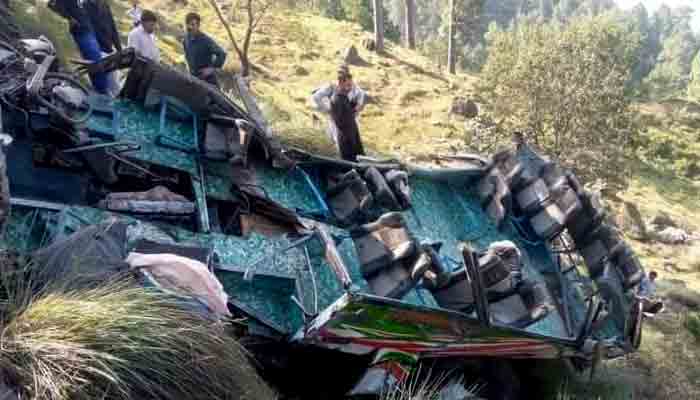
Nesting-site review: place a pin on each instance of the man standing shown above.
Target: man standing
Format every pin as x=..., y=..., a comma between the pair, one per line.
x=84, y=35
x=143, y=38
x=647, y=294
x=343, y=101
x=203, y=55
x=135, y=12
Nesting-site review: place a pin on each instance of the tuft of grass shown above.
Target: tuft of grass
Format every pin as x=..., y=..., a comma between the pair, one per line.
x=693, y=325
x=118, y=341
x=428, y=387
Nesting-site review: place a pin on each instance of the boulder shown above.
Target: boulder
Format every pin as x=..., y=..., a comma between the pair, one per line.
x=632, y=222
x=662, y=220
x=298, y=70
x=672, y=236
x=686, y=297
x=466, y=108
x=352, y=56
x=369, y=44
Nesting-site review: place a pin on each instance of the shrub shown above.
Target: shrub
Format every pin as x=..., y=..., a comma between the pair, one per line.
x=565, y=88
x=693, y=325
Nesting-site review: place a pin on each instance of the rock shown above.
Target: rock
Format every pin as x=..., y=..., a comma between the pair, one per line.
x=662, y=221
x=686, y=297
x=465, y=107
x=298, y=70
x=408, y=96
x=671, y=236
x=369, y=44
x=632, y=222
x=312, y=55
x=352, y=57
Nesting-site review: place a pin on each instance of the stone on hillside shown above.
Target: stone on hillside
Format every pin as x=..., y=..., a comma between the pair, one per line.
x=369, y=44
x=662, y=221
x=298, y=70
x=686, y=297
x=411, y=95
x=632, y=222
x=672, y=236
x=466, y=108
x=352, y=57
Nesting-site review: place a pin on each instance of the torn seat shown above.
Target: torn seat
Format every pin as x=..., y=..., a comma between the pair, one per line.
x=378, y=185
x=494, y=194
x=387, y=254
x=350, y=199
x=159, y=200
x=627, y=264
x=586, y=219
x=398, y=182
x=511, y=300
x=596, y=248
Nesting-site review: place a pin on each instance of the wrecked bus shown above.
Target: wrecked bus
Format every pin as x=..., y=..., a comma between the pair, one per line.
x=502, y=257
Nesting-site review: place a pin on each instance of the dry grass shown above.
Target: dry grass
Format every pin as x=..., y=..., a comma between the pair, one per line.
x=119, y=341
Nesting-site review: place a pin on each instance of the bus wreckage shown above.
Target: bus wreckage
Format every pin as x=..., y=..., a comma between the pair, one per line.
x=503, y=257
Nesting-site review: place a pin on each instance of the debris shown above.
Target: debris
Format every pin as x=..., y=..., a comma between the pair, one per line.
x=672, y=236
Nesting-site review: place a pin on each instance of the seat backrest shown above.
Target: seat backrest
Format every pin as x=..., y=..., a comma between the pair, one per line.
x=349, y=199
x=383, y=242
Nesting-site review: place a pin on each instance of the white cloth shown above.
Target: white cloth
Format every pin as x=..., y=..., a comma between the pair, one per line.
x=182, y=275
x=321, y=100
x=144, y=43
x=135, y=14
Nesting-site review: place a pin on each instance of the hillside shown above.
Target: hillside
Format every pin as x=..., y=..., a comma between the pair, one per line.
x=409, y=117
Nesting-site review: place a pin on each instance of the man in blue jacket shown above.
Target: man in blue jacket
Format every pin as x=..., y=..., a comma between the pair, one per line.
x=94, y=31
x=204, y=56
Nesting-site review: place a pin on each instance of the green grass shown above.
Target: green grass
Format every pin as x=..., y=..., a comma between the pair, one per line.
x=693, y=325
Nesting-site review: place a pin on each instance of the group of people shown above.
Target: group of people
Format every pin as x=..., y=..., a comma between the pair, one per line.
x=95, y=33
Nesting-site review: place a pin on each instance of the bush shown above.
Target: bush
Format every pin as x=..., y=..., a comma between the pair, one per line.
x=565, y=88
x=116, y=342
x=693, y=325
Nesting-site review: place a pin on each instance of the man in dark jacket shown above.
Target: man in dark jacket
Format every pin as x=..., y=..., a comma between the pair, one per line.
x=94, y=31
x=204, y=56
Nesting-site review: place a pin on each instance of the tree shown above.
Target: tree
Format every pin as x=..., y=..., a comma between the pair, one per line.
x=565, y=87
x=379, y=25
x=255, y=11
x=694, y=85
x=451, y=53
x=411, y=23
x=546, y=9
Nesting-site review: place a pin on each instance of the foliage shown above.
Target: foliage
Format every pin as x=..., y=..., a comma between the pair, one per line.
x=565, y=88
x=694, y=85
x=693, y=325
x=119, y=341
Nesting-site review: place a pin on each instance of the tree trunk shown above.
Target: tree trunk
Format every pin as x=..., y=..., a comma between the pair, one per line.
x=451, y=59
x=379, y=25
x=411, y=23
